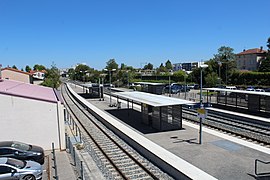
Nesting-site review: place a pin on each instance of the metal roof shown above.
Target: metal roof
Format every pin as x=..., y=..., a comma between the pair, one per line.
x=16, y=88
x=239, y=91
x=149, y=83
x=152, y=99
x=89, y=85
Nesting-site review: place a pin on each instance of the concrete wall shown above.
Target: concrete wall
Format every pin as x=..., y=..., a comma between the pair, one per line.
x=31, y=121
x=8, y=74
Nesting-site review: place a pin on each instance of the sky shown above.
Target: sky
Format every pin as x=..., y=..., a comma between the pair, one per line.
x=133, y=32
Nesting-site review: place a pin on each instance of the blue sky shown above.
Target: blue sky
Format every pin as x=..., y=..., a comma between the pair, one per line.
x=130, y=31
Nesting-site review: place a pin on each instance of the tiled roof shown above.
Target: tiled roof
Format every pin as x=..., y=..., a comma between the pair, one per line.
x=15, y=70
x=16, y=88
x=253, y=51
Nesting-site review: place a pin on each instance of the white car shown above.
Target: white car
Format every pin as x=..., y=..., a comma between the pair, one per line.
x=11, y=168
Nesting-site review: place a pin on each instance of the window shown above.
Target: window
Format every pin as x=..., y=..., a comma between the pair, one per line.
x=6, y=151
x=4, y=170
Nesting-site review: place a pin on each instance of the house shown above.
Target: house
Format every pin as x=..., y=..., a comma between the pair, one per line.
x=17, y=75
x=32, y=114
x=250, y=59
x=38, y=76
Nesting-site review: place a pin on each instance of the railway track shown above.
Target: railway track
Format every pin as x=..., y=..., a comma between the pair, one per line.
x=120, y=160
x=246, y=130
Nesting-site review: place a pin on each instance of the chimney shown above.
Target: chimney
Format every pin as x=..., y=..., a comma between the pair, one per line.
x=261, y=48
x=244, y=50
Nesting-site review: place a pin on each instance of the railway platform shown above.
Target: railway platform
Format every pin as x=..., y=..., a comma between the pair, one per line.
x=221, y=155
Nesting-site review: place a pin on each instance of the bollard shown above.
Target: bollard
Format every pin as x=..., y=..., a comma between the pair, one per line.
x=81, y=170
x=54, y=163
x=74, y=156
x=80, y=136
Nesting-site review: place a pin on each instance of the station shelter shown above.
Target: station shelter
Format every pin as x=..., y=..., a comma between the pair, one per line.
x=154, y=88
x=252, y=101
x=160, y=112
x=94, y=89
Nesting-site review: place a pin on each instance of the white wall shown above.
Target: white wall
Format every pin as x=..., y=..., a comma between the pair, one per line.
x=31, y=121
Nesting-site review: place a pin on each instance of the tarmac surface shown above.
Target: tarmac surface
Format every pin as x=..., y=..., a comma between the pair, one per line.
x=220, y=155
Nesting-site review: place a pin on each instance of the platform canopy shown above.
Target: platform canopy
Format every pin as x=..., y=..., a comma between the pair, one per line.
x=150, y=83
x=90, y=85
x=239, y=91
x=152, y=99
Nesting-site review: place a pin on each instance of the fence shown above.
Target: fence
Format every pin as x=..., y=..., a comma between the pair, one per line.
x=77, y=140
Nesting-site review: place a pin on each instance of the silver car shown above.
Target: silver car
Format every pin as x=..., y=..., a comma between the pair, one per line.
x=11, y=168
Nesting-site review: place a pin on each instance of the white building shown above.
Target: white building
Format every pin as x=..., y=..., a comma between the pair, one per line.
x=32, y=114
x=250, y=59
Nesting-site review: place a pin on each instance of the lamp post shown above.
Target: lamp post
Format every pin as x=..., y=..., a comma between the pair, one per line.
x=110, y=71
x=170, y=73
x=142, y=63
x=219, y=65
x=202, y=66
x=83, y=78
x=185, y=81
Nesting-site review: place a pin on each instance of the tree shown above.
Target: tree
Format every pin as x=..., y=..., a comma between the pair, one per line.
x=148, y=66
x=226, y=59
x=265, y=62
x=81, y=72
x=168, y=65
x=111, y=64
x=52, y=77
x=27, y=68
x=38, y=67
x=162, y=68
x=14, y=67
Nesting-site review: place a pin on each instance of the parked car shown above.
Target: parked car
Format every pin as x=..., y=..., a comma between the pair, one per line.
x=11, y=168
x=250, y=88
x=21, y=151
x=259, y=90
x=196, y=86
x=174, y=89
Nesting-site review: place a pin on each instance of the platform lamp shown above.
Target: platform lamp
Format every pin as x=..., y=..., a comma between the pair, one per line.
x=170, y=73
x=202, y=66
x=110, y=75
x=84, y=74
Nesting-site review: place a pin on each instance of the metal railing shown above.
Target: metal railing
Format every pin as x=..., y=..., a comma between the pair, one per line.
x=256, y=168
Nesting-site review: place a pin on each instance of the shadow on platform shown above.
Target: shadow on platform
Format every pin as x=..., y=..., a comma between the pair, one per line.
x=88, y=96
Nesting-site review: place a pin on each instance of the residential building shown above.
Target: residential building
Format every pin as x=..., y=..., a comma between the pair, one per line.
x=177, y=66
x=189, y=66
x=17, y=75
x=250, y=59
x=34, y=112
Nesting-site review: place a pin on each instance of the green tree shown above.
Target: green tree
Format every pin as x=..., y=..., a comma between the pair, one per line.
x=52, y=77
x=226, y=58
x=162, y=68
x=168, y=65
x=14, y=67
x=27, y=68
x=148, y=66
x=82, y=71
x=111, y=64
x=38, y=67
x=265, y=62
